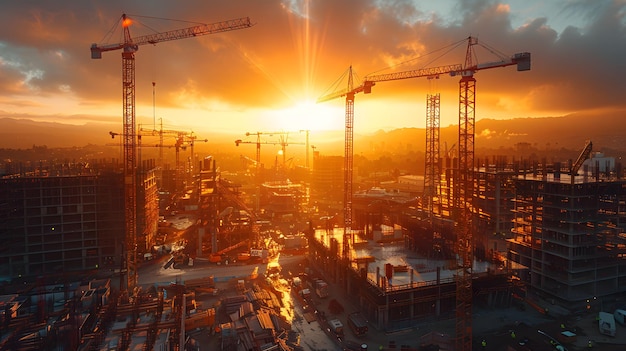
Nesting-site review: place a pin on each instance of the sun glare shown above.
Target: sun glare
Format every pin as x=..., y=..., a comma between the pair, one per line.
x=307, y=115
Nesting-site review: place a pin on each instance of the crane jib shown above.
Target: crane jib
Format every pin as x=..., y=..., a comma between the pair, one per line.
x=203, y=29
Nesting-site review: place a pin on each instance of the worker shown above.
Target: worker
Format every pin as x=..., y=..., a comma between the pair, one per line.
x=589, y=344
x=512, y=334
x=484, y=344
x=562, y=326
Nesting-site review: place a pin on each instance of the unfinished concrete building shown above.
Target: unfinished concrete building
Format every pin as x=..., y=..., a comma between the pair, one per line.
x=568, y=235
x=493, y=206
x=392, y=287
x=70, y=220
x=563, y=236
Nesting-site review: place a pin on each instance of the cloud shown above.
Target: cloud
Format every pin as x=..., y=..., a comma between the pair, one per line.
x=297, y=48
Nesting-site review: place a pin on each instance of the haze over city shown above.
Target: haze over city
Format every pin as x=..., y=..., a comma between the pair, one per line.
x=269, y=76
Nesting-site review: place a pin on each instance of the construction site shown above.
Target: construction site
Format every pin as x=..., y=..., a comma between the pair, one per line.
x=488, y=233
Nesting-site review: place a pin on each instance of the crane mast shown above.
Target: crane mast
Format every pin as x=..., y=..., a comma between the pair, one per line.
x=129, y=47
x=467, y=118
x=348, y=169
x=348, y=161
x=432, y=168
x=130, y=161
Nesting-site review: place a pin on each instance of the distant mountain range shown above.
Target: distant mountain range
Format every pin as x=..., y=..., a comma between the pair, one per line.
x=544, y=136
x=606, y=130
x=24, y=134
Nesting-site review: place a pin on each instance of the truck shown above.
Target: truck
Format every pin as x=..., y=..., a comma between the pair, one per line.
x=336, y=326
x=321, y=288
x=606, y=323
x=357, y=323
x=305, y=293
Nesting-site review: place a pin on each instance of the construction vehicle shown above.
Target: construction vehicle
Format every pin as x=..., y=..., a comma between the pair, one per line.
x=320, y=287
x=129, y=47
x=463, y=195
x=357, y=323
x=336, y=326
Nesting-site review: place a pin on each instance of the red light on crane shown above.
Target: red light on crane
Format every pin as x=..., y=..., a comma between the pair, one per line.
x=126, y=22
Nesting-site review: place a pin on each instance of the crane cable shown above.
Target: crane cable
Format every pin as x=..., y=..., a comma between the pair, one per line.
x=448, y=47
x=115, y=28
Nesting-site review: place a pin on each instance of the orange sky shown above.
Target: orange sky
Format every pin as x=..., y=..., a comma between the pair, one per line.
x=268, y=77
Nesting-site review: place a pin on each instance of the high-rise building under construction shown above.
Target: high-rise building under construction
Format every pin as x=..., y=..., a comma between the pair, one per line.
x=569, y=236
x=55, y=223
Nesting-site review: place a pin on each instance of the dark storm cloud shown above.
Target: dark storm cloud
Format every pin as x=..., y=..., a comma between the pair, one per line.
x=581, y=67
x=576, y=69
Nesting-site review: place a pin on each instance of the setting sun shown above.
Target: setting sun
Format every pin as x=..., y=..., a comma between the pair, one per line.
x=307, y=115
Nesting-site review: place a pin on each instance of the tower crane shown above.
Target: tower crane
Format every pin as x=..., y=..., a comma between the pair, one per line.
x=257, y=163
x=182, y=139
x=283, y=140
x=258, y=143
x=467, y=90
x=129, y=47
x=179, y=137
x=348, y=160
x=191, y=140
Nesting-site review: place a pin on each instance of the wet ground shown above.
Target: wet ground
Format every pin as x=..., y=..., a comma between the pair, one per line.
x=492, y=325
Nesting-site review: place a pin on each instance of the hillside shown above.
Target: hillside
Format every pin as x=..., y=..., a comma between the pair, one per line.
x=24, y=133
x=548, y=135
